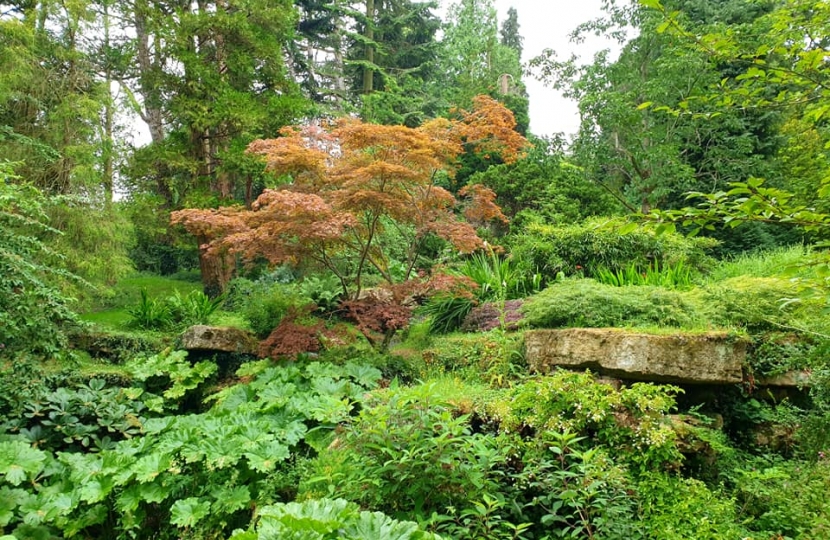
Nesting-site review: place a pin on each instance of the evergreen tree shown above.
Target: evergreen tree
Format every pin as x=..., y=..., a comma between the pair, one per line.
x=510, y=36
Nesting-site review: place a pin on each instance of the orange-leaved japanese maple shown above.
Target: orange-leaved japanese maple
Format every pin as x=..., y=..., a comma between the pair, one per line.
x=361, y=195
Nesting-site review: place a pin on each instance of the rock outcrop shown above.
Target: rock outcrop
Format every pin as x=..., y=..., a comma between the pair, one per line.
x=708, y=358
x=789, y=379
x=219, y=339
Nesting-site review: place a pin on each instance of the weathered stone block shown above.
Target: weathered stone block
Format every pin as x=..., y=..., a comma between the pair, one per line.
x=220, y=339
x=709, y=358
x=789, y=379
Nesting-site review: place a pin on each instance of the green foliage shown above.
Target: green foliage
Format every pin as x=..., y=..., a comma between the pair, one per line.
x=499, y=278
x=33, y=310
x=175, y=311
x=263, y=304
x=574, y=492
x=170, y=372
x=446, y=312
x=584, y=302
x=94, y=241
x=790, y=261
x=632, y=422
x=760, y=304
x=87, y=416
x=194, y=308
x=784, y=499
x=414, y=454
x=675, y=508
x=585, y=248
x=773, y=353
x=150, y=313
x=156, y=247
x=329, y=519
x=193, y=474
x=672, y=276
x=324, y=290
x=544, y=187
x=491, y=357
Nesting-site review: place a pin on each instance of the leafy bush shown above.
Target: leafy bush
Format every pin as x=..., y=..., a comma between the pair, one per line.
x=784, y=499
x=33, y=310
x=150, y=313
x=585, y=248
x=673, y=508
x=194, y=308
x=325, y=291
x=264, y=308
x=586, y=303
x=81, y=416
x=632, y=422
x=493, y=357
x=329, y=519
x=410, y=455
x=168, y=373
x=571, y=492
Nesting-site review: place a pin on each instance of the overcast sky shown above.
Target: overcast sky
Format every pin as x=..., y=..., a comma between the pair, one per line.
x=547, y=24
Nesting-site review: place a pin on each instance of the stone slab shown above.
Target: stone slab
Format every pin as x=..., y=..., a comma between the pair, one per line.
x=708, y=358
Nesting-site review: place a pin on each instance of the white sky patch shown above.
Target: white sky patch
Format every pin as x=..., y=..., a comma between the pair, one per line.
x=547, y=24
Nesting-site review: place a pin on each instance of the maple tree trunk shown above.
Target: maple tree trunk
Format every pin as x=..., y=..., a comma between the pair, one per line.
x=216, y=270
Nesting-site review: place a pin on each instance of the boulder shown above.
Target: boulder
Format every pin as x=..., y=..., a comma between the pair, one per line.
x=708, y=358
x=790, y=379
x=219, y=339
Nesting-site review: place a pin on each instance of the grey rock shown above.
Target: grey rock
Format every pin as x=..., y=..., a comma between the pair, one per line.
x=790, y=379
x=220, y=339
x=709, y=358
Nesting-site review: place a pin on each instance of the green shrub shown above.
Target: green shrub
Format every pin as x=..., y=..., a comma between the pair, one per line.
x=194, y=308
x=492, y=357
x=568, y=491
x=263, y=309
x=33, y=308
x=632, y=422
x=325, y=291
x=410, y=455
x=584, y=302
x=585, y=248
x=759, y=304
x=175, y=311
x=671, y=276
x=673, y=508
x=784, y=499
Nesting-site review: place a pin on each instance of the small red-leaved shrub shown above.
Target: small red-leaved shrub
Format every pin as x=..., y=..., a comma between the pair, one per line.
x=377, y=321
x=291, y=338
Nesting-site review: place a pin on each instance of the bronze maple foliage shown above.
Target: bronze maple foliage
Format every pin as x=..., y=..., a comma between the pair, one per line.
x=351, y=181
